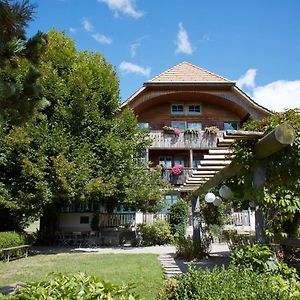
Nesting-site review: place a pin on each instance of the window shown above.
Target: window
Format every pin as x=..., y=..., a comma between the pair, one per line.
x=143, y=125
x=179, y=161
x=178, y=124
x=177, y=109
x=196, y=162
x=194, y=125
x=230, y=125
x=194, y=109
x=165, y=161
x=169, y=199
x=84, y=220
x=123, y=209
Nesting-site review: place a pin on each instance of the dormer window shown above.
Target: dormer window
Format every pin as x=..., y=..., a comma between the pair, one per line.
x=194, y=109
x=177, y=109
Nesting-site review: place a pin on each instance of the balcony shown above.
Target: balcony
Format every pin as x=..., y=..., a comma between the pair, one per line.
x=162, y=140
x=176, y=179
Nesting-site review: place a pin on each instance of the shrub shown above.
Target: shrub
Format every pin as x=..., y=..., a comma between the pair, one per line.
x=11, y=239
x=261, y=259
x=216, y=232
x=157, y=234
x=77, y=286
x=232, y=283
x=188, y=249
x=179, y=217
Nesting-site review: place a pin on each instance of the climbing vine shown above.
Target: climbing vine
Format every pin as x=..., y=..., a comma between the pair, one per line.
x=281, y=192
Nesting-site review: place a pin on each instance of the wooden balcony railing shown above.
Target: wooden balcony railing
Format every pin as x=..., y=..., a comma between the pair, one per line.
x=176, y=179
x=116, y=220
x=162, y=140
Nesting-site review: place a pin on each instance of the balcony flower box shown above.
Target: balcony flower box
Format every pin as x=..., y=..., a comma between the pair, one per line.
x=191, y=131
x=211, y=130
x=171, y=130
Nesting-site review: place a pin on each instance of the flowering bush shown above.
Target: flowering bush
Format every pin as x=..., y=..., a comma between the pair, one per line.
x=176, y=170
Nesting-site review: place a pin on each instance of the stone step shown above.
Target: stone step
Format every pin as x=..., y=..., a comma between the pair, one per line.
x=169, y=265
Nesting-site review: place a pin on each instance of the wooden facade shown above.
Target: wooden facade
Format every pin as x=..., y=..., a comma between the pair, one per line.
x=188, y=97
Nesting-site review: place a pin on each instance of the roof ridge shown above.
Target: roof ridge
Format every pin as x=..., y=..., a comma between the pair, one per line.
x=167, y=73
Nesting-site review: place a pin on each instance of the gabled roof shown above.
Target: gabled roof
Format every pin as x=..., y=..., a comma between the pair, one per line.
x=185, y=72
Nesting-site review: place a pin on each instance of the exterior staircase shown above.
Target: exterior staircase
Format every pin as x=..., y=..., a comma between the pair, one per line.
x=216, y=159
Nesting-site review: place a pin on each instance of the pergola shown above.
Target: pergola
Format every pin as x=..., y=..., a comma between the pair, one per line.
x=267, y=144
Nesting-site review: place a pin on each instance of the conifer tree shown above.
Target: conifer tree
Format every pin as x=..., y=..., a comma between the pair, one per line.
x=20, y=91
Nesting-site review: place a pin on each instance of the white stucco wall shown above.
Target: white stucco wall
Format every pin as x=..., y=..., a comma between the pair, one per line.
x=71, y=221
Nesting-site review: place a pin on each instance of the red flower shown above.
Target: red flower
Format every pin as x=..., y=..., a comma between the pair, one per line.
x=176, y=131
x=176, y=170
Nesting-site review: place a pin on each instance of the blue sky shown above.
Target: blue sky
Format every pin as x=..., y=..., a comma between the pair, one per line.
x=254, y=42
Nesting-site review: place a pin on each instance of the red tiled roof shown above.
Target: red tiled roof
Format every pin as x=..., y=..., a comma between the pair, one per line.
x=185, y=72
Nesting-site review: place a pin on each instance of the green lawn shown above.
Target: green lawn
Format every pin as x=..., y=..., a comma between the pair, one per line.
x=144, y=270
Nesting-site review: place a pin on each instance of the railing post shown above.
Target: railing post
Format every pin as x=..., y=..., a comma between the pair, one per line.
x=191, y=158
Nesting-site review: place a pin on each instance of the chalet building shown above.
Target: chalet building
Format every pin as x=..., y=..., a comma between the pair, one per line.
x=188, y=111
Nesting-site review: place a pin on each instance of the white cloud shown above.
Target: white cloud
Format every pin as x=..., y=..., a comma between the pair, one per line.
x=247, y=80
x=102, y=39
x=277, y=95
x=128, y=67
x=126, y=7
x=73, y=30
x=87, y=25
x=133, y=48
x=183, y=42
x=137, y=43
x=99, y=37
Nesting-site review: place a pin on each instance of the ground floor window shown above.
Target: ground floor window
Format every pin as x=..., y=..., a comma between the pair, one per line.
x=124, y=209
x=169, y=199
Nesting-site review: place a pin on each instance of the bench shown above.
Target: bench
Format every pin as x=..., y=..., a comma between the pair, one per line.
x=8, y=252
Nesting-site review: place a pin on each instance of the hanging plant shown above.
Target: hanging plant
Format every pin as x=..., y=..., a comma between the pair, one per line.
x=211, y=130
x=191, y=131
x=176, y=170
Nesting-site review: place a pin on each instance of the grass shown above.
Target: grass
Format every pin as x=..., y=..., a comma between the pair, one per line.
x=143, y=270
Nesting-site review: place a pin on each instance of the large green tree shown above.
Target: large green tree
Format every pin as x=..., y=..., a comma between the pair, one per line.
x=81, y=147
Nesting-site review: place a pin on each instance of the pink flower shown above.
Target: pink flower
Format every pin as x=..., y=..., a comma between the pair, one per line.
x=176, y=170
x=176, y=131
